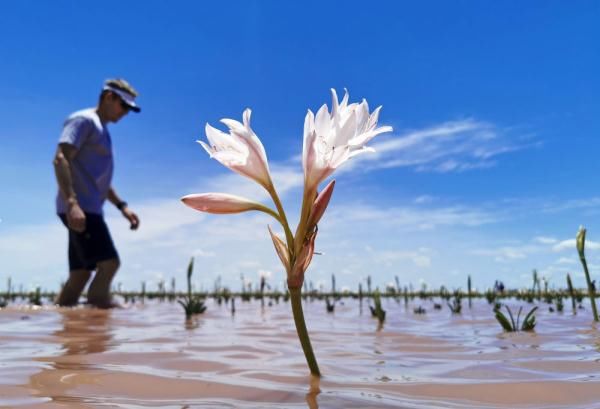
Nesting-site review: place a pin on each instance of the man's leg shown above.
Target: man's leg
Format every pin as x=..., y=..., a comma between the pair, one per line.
x=99, y=291
x=73, y=288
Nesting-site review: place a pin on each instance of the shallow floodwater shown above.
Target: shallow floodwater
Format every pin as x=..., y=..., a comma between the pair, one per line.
x=147, y=355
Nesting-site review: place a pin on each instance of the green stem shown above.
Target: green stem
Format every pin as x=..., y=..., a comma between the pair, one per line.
x=307, y=203
x=282, y=219
x=296, y=298
x=267, y=210
x=591, y=291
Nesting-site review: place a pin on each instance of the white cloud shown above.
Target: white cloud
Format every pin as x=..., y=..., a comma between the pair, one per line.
x=412, y=218
x=202, y=253
x=424, y=199
x=420, y=257
x=453, y=146
x=588, y=203
x=505, y=254
x=566, y=260
x=570, y=244
x=545, y=240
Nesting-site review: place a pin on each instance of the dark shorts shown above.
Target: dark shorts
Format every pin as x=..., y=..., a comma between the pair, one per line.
x=94, y=244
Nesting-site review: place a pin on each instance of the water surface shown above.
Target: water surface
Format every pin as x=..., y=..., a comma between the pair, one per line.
x=147, y=355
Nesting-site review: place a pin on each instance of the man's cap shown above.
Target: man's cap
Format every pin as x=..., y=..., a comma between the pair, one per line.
x=123, y=89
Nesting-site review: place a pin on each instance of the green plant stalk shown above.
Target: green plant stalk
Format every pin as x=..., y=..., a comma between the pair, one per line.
x=281, y=217
x=469, y=287
x=296, y=301
x=504, y=321
x=518, y=316
x=512, y=320
x=189, y=277
x=591, y=291
x=307, y=201
x=571, y=293
x=529, y=321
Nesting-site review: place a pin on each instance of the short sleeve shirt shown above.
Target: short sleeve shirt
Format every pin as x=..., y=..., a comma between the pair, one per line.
x=92, y=167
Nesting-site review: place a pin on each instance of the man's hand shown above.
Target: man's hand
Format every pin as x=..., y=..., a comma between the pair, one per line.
x=134, y=220
x=76, y=217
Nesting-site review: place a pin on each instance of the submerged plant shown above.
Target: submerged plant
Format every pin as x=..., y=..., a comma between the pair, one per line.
x=536, y=283
x=377, y=311
x=191, y=304
x=330, y=139
x=333, y=285
x=512, y=326
x=591, y=288
x=490, y=296
x=469, y=290
x=419, y=310
x=35, y=297
x=330, y=304
x=559, y=304
x=456, y=305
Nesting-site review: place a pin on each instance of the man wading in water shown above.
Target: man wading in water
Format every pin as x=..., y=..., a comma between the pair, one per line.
x=83, y=165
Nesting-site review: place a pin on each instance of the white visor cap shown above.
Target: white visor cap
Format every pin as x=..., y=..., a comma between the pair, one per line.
x=125, y=96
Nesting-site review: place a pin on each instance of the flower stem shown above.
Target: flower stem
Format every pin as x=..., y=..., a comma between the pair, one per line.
x=304, y=215
x=296, y=299
x=591, y=291
x=282, y=219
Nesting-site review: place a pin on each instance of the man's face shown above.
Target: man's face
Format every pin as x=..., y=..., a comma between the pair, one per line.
x=116, y=108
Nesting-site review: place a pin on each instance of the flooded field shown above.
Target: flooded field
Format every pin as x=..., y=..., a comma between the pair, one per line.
x=147, y=355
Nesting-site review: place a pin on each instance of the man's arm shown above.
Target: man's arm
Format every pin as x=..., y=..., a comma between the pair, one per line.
x=114, y=198
x=62, y=169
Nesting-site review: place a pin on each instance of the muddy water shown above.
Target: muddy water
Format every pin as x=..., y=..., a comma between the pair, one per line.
x=149, y=356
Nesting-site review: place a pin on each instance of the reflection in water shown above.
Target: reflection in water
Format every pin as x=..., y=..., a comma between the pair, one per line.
x=84, y=332
x=313, y=392
x=192, y=323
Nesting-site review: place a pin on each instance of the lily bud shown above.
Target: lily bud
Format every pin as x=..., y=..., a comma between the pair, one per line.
x=581, y=241
x=221, y=203
x=281, y=249
x=320, y=204
x=190, y=269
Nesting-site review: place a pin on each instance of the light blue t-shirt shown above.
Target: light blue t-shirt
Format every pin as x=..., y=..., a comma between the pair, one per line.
x=92, y=167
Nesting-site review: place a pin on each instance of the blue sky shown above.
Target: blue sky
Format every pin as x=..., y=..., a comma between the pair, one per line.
x=489, y=172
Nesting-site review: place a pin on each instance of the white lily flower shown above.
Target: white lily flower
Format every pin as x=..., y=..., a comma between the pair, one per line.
x=330, y=139
x=240, y=150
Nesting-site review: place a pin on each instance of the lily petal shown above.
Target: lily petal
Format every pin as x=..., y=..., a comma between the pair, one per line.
x=320, y=205
x=308, y=141
x=281, y=249
x=330, y=139
x=240, y=150
x=221, y=203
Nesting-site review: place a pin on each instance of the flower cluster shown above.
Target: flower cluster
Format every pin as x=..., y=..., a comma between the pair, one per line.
x=330, y=139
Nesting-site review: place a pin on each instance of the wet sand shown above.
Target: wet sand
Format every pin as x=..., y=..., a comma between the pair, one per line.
x=149, y=356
